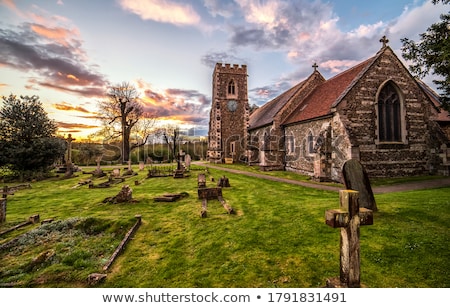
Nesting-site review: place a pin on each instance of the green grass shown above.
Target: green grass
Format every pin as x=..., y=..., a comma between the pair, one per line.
x=277, y=238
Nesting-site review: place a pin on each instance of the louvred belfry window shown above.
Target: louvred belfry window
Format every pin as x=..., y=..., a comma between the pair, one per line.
x=389, y=114
x=231, y=88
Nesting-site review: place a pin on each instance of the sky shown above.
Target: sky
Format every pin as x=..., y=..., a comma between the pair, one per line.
x=69, y=51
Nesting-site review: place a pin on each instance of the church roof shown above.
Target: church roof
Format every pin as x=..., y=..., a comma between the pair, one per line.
x=265, y=114
x=328, y=94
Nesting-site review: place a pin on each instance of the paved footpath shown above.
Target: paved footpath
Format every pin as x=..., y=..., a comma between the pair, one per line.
x=416, y=185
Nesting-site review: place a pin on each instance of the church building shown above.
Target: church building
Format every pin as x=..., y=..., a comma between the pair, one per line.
x=376, y=112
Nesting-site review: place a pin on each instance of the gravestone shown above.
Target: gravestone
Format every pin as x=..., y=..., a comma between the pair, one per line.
x=124, y=195
x=141, y=166
x=223, y=182
x=69, y=165
x=116, y=172
x=98, y=172
x=349, y=217
x=356, y=178
x=187, y=161
x=201, y=180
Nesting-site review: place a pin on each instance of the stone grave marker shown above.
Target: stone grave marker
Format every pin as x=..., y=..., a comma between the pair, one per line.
x=223, y=182
x=201, y=180
x=116, y=172
x=141, y=166
x=349, y=217
x=356, y=178
x=187, y=161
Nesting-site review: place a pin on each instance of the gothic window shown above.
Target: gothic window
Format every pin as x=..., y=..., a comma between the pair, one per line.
x=310, y=143
x=290, y=144
x=389, y=115
x=231, y=88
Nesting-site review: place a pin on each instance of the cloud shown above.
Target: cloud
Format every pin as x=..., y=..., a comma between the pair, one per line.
x=210, y=59
x=337, y=66
x=60, y=35
x=308, y=32
x=406, y=24
x=165, y=11
x=51, y=55
x=220, y=8
x=188, y=106
x=67, y=107
x=74, y=127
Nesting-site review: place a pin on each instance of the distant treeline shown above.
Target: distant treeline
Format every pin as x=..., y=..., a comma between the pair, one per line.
x=89, y=153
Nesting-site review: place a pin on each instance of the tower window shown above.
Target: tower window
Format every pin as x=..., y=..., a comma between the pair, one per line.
x=231, y=88
x=389, y=116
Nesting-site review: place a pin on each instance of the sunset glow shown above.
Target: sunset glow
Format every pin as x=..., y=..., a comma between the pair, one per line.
x=69, y=52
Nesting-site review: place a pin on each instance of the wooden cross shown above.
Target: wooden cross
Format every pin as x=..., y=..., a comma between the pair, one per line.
x=384, y=40
x=349, y=217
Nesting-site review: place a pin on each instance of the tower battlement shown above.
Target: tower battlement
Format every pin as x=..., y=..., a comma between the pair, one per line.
x=231, y=68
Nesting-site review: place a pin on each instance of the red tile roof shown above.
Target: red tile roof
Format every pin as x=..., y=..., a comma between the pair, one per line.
x=327, y=95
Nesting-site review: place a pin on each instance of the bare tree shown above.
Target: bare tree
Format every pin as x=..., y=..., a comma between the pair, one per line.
x=120, y=112
x=142, y=130
x=172, y=137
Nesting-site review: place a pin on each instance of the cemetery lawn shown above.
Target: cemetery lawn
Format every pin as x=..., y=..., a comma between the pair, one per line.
x=277, y=238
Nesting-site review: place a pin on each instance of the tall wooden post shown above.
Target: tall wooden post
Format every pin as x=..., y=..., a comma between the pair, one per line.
x=2, y=210
x=349, y=217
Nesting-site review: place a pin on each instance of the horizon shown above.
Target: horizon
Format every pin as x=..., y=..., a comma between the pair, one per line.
x=68, y=52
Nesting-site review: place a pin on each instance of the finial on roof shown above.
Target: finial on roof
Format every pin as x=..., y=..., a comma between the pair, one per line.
x=315, y=66
x=384, y=40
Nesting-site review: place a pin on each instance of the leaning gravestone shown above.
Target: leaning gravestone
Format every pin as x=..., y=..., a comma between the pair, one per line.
x=356, y=178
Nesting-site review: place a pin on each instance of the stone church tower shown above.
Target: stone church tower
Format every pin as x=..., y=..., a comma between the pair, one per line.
x=229, y=115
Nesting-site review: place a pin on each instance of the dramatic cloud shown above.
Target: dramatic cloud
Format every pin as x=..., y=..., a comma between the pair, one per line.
x=65, y=127
x=186, y=106
x=67, y=107
x=52, y=56
x=162, y=11
x=308, y=32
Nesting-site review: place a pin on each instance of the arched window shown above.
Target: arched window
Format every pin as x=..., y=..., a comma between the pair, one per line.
x=389, y=114
x=231, y=88
x=290, y=145
x=310, y=143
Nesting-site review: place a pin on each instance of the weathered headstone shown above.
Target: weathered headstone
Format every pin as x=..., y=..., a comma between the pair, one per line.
x=69, y=165
x=69, y=140
x=141, y=166
x=356, y=178
x=223, y=182
x=124, y=195
x=98, y=172
x=348, y=217
x=201, y=180
x=116, y=172
x=187, y=161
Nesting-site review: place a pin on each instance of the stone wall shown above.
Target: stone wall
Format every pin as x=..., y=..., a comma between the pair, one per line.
x=415, y=154
x=299, y=158
x=266, y=148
